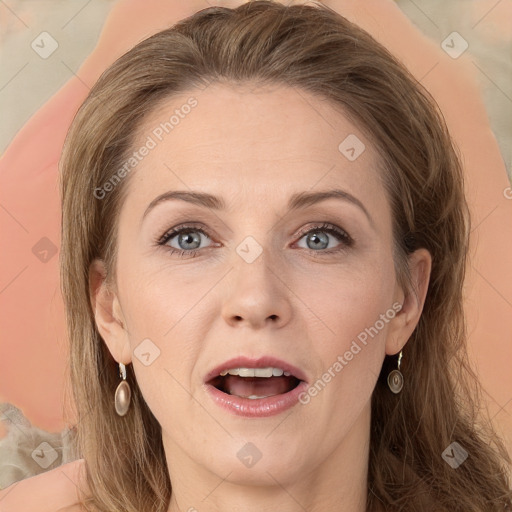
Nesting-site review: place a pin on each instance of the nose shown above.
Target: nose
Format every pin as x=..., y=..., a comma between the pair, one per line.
x=257, y=295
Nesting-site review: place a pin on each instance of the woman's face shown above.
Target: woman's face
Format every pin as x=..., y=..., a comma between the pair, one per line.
x=264, y=280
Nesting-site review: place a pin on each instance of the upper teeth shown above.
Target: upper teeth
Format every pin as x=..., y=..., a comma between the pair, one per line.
x=256, y=372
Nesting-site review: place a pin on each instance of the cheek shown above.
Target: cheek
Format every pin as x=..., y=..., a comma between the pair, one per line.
x=165, y=332
x=348, y=299
x=165, y=315
x=156, y=297
x=354, y=310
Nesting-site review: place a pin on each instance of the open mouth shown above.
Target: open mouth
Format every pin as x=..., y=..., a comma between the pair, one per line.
x=254, y=387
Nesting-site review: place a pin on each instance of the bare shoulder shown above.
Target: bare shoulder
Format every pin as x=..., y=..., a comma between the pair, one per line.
x=51, y=491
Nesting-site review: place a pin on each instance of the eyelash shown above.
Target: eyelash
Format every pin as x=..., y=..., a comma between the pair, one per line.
x=340, y=234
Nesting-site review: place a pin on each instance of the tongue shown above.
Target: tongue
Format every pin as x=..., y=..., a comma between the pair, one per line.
x=257, y=386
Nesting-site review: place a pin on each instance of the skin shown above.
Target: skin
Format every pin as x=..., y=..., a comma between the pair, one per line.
x=255, y=148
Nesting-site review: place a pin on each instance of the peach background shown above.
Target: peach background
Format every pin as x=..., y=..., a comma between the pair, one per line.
x=33, y=340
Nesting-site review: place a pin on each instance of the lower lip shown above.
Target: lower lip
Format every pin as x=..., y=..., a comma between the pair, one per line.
x=259, y=407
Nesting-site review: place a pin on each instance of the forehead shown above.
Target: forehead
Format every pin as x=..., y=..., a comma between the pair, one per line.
x=265, y=142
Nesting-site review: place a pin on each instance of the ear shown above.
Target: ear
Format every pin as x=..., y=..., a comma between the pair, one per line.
x=412, y=300
x=108, y=313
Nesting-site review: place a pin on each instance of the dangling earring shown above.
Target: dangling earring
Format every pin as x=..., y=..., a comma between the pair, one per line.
x=395, y=378
x=123, y=393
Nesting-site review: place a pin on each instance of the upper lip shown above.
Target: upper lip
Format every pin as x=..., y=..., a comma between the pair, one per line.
x=260, y=362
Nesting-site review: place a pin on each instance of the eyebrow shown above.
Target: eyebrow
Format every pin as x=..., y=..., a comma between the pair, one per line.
x=296, y=201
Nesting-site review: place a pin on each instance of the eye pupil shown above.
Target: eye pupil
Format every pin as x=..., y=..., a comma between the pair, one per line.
x=190, y=238
x=319, y=236
x=317, y=239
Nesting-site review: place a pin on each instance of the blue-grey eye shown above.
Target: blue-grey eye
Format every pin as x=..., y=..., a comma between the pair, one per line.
x=318, y=240
x=188, y=239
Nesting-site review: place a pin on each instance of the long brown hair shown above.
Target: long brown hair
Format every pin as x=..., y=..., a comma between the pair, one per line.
x=311, y=48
